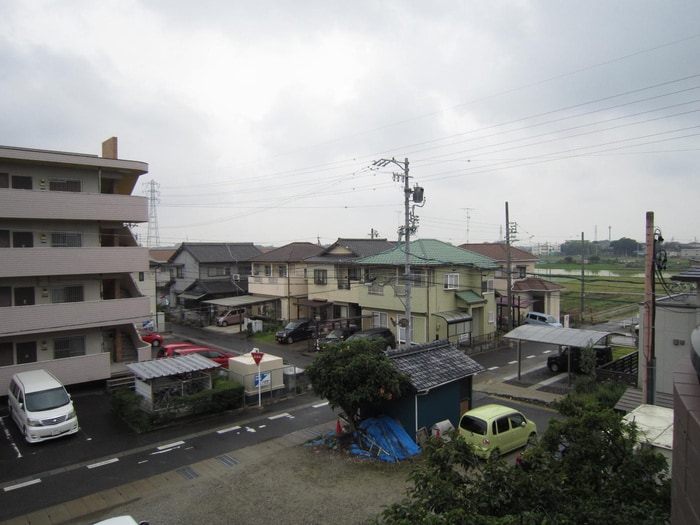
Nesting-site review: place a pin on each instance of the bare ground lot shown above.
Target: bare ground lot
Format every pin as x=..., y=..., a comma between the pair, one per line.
x=298, y=485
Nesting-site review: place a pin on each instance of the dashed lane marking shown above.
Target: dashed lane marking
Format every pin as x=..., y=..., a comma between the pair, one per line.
x=229, y=429
x=22, y=485
x=103, y=463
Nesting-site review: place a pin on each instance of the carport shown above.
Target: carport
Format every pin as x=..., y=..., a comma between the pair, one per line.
x=553, y=335
x=239, y=301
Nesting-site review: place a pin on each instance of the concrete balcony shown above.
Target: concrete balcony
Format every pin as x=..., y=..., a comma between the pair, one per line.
x=23, y=320
x=38, y=262
x=53, y=205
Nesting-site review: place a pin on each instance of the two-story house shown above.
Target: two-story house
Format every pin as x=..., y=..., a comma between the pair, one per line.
x=281, y=275
x=68, y=296
x=528, y=291
x=451, y=292
x=336, y=278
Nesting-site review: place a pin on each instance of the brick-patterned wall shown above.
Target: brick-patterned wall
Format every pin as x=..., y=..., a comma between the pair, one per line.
x=685, y=502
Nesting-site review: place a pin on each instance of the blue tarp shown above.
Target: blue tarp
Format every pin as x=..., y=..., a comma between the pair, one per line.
x=384, y=438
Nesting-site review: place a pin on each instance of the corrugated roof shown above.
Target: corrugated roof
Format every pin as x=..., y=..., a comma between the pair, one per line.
x=470, y=297
x=454, y=316
x=171, y=366
x=292, y=252
x=219, y=252
x=430, y=252
x=556, y=336
x=691, y=275
x=433, y=364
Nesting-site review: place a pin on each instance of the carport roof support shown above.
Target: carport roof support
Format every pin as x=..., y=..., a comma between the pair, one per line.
x=557, y=336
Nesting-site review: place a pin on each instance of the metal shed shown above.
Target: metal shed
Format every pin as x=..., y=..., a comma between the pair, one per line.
x=160, y=380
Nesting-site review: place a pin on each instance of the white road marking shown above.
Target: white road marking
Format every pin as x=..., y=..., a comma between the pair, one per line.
x=530, y=356
x=9, y=437
x=103, y=463
x=20, y=485
x=320, y=405
x=229, y=429
x=547, y=352
x=512, y=362
x=171, y=445
x=493, y=368
x=249, y=429
x=282, y=415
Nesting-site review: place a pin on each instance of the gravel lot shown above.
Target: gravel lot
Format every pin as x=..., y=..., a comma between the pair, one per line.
x=299, y=485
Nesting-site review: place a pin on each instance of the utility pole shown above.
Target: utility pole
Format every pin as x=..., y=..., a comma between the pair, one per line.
x=509, y=278
x=649, y=361
x=410, y=225
x=583, y=278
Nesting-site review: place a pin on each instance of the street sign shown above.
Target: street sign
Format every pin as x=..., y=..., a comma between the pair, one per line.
x=257, y=356
x=262, y=379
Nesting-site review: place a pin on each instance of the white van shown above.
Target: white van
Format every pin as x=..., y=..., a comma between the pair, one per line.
x=541, y=319
x=40, y=406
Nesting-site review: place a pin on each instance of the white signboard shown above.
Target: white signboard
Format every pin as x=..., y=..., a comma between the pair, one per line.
x=262, y=379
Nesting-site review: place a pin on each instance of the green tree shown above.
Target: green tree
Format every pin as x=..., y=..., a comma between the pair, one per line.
x=586, y=469
x=356, y=376
x=624, y=246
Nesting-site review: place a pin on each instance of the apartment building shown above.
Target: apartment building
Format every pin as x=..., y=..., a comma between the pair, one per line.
x=69, y=295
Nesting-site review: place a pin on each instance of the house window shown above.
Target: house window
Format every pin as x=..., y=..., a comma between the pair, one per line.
x=487, y=286
x=73, y=185
x=380, y=320
x=142, y=276
x=522, y=272
x=6, y=356
x=282, y=270
x=180, y=272
x=68, y=347
x=218, y=271
x=4, y=180
x=451, y=281
x=354, y=273
x=268, y=270
x=67, y=294
x=320, y=276
x=66, y=240
x=492, y=317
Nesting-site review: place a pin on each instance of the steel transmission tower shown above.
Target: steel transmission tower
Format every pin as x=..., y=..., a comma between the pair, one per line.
x=153, y=193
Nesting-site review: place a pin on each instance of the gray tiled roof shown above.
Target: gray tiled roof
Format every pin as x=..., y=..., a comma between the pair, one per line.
x=433, y=364
x=292, y=252
x=356, y=247
x=219, y=252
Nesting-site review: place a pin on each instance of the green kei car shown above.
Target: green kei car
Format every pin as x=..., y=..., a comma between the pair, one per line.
x=496, y=429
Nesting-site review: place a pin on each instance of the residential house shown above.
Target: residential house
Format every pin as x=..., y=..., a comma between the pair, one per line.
x=336, y=277
x=452, y=294
x=441, y=378
x=281, y=275
x=202, y=271
x=68, y=297
x=530, y=293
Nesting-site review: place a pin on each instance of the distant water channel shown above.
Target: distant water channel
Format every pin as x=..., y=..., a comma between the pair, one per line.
x=555, y=272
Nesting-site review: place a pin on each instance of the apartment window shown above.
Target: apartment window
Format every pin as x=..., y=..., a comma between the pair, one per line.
x=26, y=352
x=20, y=182
x=6, y=357
x=320, y=276
x=4, y=180
x=5, y=296
x=451, y=281
x=68, y=347
x=66, y=239
x=4, y=238
x=74, y=185
x=22, y=239
x=380, y=320
x=282, y=270
x=67, y=294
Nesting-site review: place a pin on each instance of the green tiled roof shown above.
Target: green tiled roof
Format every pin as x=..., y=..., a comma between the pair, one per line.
x=470, y=297
x=429, y=252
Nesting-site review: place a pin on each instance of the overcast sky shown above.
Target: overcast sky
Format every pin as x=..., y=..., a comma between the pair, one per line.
x=261, y=121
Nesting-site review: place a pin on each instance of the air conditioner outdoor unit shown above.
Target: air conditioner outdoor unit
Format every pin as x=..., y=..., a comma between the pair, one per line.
x=236, y=277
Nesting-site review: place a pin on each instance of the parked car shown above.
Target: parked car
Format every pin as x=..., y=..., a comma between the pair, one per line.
x=150, y=337
x=496, y=429
x=40, y=406
x=336, y=336
x=233, y=316
x=296, y=331
x=560, y=362
x=218, y=356
x=541, y=319
x=376, y=334
x=167, y=349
